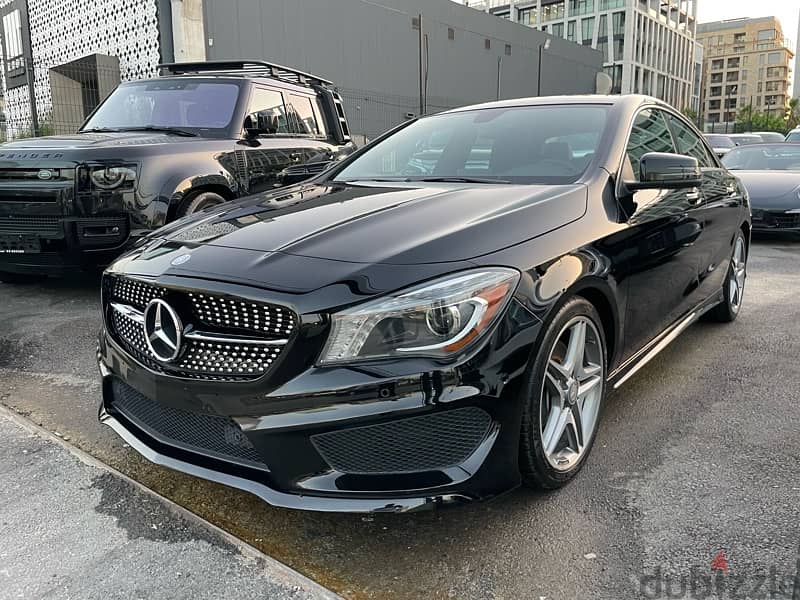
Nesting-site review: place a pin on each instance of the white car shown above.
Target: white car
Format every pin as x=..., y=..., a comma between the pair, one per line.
x=793, y=135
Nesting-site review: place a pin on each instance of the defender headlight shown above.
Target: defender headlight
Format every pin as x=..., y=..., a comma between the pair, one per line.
x=437, y=319
x=110, y=178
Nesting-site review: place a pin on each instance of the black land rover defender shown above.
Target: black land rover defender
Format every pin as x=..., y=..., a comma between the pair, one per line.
x=155, y=150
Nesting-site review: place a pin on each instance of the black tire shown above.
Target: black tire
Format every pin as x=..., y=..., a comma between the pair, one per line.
x=536, y=469
x=198, y=201
x=727, y=310
x=19, y=278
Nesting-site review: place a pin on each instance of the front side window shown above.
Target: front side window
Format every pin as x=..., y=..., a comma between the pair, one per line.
x=688, y=142
x=523, y=145
x=185, y=104
x=267, y=112
x=649, y=134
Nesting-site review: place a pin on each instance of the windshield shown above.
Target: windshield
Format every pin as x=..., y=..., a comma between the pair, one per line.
x=744, y=140
x=720, y=141
x=528, y=144
x=772, y=157
x=190, y=105
x=794, y=136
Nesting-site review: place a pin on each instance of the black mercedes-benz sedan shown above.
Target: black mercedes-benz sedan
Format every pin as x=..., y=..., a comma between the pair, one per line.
x=771, y=175
x=437, y=318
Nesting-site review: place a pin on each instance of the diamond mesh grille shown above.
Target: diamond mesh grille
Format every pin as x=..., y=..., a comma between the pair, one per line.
x=208, y=434
x=423, y=443
x=234, y=318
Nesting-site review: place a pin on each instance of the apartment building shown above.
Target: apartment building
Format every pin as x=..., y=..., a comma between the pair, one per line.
x=648, y=46
x=746, y=62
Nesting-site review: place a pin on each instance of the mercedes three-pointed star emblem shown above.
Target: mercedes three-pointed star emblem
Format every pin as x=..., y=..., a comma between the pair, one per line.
x=163, y=330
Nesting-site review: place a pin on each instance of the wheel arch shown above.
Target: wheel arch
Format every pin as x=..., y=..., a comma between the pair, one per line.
x=184, y=195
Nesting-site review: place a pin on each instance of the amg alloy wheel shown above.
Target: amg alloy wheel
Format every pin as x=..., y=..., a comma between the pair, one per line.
x=733, y=288
x=566, y=394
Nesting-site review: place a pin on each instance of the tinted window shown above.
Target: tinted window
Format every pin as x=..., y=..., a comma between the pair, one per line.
x=649, y=134
x=720, y=141
x=168, y=103
x=526, y=144
x=688, y=142
x=267, y=112
x=773, y=157
x=301, y=115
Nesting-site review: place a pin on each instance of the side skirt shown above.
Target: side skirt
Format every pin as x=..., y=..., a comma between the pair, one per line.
x=651, y=350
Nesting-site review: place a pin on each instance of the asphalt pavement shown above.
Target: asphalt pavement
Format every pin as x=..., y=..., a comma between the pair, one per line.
x=71, y=528
x=692, y=489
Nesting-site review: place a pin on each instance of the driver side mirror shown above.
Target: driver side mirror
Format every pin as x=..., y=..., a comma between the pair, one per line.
x=663, y=170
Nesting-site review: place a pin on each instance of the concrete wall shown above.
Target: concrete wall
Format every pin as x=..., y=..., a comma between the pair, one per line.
x=370, y=48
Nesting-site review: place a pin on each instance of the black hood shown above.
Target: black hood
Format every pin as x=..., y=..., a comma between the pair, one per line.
x=771, y=189
x=93, y=140
x=385, y=223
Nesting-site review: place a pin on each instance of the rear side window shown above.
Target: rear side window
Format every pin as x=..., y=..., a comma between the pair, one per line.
x=650, y=133
x=688, y=142
x=301, y=115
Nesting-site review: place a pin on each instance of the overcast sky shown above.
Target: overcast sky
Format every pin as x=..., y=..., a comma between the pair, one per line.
x=785, y=10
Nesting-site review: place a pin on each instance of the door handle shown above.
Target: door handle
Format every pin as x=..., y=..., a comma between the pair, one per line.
x=694, y=197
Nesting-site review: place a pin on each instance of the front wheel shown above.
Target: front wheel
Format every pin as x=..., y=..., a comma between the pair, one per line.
x=199, y=201
x=564, y=395
x=733, y=288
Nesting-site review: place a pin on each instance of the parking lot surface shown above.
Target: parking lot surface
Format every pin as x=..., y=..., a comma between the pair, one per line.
x=693, y=487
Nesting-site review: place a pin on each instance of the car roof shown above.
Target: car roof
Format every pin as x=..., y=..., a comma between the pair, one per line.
x=626, y=100
x=231, y=78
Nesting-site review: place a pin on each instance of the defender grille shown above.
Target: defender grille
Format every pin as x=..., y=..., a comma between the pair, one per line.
x=41, y=226
x=208, y=434
x=225, y=338
x=422, y=443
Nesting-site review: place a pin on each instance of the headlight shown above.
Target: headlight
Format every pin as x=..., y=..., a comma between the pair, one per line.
x=110, y=178
x=437, y=319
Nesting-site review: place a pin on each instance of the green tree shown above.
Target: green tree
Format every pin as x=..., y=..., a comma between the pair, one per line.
x=793, y=113
x=749, y=119
x=690, y=114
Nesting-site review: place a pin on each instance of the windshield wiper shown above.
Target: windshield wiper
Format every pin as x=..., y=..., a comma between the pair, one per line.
x=173, y=130
x=99, y=130
x=460, y=179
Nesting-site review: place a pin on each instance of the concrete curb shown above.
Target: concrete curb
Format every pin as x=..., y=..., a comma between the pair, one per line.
x=273, y=568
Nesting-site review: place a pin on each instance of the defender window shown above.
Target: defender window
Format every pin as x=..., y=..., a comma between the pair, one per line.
x=650, y=133
x=267, y=112
x=301, y=115
x=689, y=143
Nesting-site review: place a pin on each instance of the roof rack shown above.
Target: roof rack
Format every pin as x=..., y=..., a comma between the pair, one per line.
x=243, y=67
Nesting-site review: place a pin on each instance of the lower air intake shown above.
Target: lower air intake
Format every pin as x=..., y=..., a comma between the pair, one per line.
x=207, y=434
x=423, y=443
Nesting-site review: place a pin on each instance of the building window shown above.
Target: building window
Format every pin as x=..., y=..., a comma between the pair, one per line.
x=762, y=59
x=618, y=21
x=733, y=63
x=715, y=91
x=619, y=48
x=766, y=34
x=553, y=11
x=12, y=28
x=776, y=73
x=487, y=43
x=558, y=29
x=451, y=33
x=774, y=58
x=739, y=37
x=731, y=90
x=717, y=64
x=602, y=37
x=529, y=16
x=587, y=31
x=743, y=73
x=774, y=86
x=508, y=49
x=581, y=7
x=716, y=78
x=609, y=4
x=732, y=76
x=571, y=31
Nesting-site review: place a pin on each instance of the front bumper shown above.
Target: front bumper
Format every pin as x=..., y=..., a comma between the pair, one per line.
x=322, y=438
x=776, y=221
x=52, y=244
